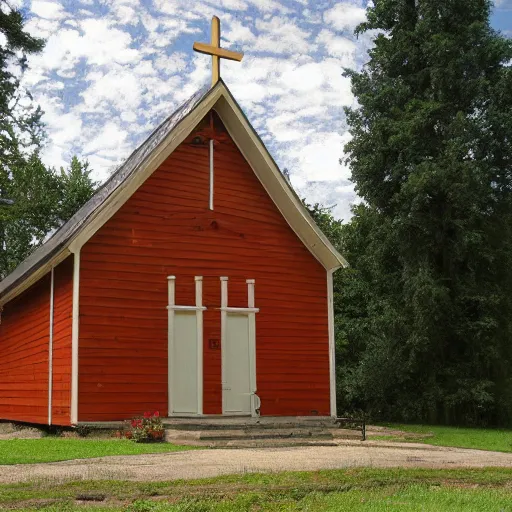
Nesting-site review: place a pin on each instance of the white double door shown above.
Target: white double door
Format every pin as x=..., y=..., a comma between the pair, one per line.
x=186, y=360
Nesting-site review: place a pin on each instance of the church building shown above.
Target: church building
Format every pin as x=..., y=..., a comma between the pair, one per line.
x=193, y=283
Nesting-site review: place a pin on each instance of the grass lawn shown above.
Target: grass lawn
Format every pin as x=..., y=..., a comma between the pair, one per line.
x=480, y=439
x=52, y=449
x=339, y=490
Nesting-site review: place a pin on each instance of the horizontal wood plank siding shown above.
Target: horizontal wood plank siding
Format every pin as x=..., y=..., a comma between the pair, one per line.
x=24, y=351
x=166, y=228
x=63, y=314
x=24, y=343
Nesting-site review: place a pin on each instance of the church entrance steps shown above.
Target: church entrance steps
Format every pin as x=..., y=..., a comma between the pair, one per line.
x=248, y=422
x=237, y=432
x=221, y=435
x=254, y=443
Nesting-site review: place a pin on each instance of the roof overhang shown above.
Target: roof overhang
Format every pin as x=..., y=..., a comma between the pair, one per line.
x=146, y=160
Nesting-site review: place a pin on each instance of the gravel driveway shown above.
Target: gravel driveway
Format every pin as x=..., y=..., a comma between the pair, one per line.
x=209, y=463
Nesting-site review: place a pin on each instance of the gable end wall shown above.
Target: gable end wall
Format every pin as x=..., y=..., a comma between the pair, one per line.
x=166, y=228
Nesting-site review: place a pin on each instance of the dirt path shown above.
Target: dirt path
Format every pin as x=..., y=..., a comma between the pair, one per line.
x=209, y=463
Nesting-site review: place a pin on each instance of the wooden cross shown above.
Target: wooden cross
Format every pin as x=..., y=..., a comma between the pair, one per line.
x=216, y=51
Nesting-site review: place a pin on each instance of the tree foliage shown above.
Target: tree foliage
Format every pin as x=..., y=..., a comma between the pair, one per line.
x=43, y=200
x=34, y=199
x=425, y=312
x=20, y=120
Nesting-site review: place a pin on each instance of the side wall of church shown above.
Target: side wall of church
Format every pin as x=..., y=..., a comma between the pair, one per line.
x=166, y=228
x=24, y=351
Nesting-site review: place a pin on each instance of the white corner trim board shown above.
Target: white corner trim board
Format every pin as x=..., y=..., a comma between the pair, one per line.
x=332, y=341
x=50, y=349
x=75, y=337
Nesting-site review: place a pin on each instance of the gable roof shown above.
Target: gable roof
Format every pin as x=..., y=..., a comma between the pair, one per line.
x=145, y=160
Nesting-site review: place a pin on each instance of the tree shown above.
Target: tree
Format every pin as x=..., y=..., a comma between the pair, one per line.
x=430, y=248
x=42, y=201
x=20, y=120
x=77, y=188
x=20, y=126
x=35, y=193
x=34, y=199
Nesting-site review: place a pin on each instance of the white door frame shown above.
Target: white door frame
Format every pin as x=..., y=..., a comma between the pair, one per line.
x=172, y=308
x=250, y=311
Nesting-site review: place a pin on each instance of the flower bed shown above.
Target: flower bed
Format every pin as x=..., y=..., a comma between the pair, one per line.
x=147, y=429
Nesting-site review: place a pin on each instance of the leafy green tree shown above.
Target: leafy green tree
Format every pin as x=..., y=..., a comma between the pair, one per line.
x=77, y=188
x=430, y=334
x=19, y=120
x=42, y=201
x=34, y=200
x=35, y=193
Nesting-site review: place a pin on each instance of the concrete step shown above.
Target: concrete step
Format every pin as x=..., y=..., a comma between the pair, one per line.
x=276, y=433
x=254, y=443
x=265, y=438
x=247, y=423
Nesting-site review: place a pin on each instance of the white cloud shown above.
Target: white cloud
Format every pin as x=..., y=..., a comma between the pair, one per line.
x=234, y=5
x=269, y=6
x=40, y=27
x=281, y=36
x=104, y=44
x=339, y=47
x=238, y=33
x=111, y=137
x=108, y=77
x=47, y=10
x=116, y=88
x=345, y=16
x=319, y=159
x=171, y=64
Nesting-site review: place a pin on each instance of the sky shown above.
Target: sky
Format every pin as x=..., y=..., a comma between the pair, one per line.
x=113, y=70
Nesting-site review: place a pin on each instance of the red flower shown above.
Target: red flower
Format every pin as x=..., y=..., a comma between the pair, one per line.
x=156, y=414
x=134, y=423
x=147, y=415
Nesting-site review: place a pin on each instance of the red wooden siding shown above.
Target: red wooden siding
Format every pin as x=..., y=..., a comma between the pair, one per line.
x=62, y=322
x=166, y=228
x=24, y=338
x=24, y=351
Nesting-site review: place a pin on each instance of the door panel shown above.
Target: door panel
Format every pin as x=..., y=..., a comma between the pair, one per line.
x=237, y=373
x=184, y=364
